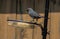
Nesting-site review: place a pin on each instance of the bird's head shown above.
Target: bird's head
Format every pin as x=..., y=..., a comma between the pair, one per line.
x=29, y=9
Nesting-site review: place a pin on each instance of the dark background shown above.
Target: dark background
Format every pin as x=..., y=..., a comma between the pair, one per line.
x=9, y=6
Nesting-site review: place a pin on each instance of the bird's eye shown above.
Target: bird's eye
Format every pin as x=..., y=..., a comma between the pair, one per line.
x=27, y=10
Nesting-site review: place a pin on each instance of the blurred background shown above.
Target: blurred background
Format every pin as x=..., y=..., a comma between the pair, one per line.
x=13, y=10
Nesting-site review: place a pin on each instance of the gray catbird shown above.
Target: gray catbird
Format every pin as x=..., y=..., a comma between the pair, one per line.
x=33, y=14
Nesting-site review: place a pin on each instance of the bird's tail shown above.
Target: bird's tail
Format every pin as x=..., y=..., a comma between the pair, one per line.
x=43, y=17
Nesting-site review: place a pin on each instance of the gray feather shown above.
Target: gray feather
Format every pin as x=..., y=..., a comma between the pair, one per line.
x=32, y=13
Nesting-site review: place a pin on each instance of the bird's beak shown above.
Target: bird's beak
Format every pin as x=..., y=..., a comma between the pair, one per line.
x=27, y=10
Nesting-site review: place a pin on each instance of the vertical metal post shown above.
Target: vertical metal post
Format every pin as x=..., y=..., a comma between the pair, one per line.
x=44, y=33
x=16, y=18
x=16, y=8
x=20, y=8
x=21, y=18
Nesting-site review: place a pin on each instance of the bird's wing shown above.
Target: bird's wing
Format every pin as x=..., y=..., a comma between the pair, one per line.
x=32, y=13
x=35, y=14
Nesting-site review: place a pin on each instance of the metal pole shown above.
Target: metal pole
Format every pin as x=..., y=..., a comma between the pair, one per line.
x=44, y=33
x=16, y=8
x=20, y=8
x=21, y=18
x=16, y=18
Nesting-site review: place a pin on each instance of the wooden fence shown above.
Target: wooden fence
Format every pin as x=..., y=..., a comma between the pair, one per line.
x=8, y=32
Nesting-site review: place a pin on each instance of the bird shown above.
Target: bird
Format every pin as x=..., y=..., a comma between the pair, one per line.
x=33, y=14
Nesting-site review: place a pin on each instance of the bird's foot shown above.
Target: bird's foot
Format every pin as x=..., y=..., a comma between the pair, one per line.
x=33, y=21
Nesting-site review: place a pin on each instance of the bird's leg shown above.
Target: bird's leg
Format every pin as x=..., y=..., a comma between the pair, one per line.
x=33, y=20
x=36, y=20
